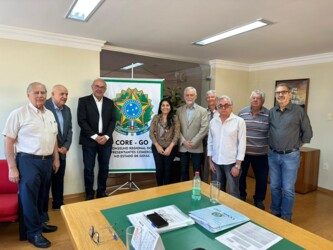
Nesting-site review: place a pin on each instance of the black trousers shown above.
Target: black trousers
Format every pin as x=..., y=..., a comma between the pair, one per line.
x=163, y=166
x=259, y=165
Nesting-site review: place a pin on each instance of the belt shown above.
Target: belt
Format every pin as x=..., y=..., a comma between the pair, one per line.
x=39, y=157
x=284, y=152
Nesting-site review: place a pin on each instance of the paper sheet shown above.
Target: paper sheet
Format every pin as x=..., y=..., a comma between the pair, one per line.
x=249, y=236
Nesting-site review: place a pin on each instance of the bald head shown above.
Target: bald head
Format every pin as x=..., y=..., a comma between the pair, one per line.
x=59, y=95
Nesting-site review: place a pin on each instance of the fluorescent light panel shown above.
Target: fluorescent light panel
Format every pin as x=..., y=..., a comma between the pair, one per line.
x=233, y=32
x=82, y=10
x=131, y=66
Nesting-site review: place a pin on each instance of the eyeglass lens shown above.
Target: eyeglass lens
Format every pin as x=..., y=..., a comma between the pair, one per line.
x=281, y=92
x=225, y=106
x=94, y=235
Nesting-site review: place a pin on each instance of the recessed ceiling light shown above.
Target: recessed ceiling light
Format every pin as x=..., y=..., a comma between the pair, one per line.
x=131, y=66
x=82, y=10
x=233, y=32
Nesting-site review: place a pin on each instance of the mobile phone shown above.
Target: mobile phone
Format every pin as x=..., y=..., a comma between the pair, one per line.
x=157, y=220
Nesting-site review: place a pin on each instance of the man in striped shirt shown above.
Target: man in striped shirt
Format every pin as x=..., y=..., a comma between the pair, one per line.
x=257, y=126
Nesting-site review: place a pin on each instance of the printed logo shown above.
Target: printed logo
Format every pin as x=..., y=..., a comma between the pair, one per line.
x=134, y=111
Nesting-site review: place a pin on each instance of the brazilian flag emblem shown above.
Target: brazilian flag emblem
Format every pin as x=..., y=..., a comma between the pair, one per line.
x=134, y=111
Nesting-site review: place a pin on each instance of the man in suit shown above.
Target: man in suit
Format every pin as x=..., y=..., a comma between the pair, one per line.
x=97, y=119
x=63, y=116
x=193, y=128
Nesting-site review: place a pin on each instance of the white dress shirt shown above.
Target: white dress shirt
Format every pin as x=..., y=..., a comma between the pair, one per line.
x=227, y=141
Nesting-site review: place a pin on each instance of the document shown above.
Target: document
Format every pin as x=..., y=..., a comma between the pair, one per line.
x=249, y=236
x=172, y=214
x=147, y=239
x=218, y=218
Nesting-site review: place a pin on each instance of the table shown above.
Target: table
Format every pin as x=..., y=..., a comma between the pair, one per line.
x=80, y=216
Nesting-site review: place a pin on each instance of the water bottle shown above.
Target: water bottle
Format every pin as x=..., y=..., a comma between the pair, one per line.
x=196, y=187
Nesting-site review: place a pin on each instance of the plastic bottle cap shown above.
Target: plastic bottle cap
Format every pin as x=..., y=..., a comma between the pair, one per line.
x=197, y=173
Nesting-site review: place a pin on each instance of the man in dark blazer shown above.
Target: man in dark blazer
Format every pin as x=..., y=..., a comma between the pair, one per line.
x=97, y=119
x=63, y=116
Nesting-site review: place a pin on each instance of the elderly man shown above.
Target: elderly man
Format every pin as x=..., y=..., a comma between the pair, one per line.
x=211, y=98
x=226, y=146
x=31, y=132
x=63, y=116
x=257, y=126
x=290, y=128
x=97, y=119
x=193, y=128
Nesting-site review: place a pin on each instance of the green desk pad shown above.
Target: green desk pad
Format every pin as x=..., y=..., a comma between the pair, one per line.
x=191, y=237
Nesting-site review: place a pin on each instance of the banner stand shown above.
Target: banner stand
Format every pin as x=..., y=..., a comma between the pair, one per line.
x=131, y=186
x=136, y=100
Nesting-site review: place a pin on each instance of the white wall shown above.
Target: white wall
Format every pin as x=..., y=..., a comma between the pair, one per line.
x=238, y=85
x=22, y=63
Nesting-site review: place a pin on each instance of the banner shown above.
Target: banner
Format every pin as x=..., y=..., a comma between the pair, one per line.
x=136, y=102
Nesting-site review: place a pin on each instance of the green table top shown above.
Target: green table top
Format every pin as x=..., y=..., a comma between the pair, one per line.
x=190, y=237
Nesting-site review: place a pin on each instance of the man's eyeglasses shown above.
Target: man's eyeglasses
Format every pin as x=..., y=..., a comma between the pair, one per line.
x=94, y=235
x=284, y=92
x=225, y=106
x=39, y=92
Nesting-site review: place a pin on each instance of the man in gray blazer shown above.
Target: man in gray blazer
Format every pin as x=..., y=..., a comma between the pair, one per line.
x=63, y=116
x=193, y=128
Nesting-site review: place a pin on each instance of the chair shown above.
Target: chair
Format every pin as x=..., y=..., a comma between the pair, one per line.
x=9, y=203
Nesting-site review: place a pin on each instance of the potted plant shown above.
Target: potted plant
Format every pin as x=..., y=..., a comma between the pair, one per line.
x=175, y=97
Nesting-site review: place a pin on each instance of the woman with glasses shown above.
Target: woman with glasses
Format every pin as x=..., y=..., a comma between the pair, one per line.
x=164, y=133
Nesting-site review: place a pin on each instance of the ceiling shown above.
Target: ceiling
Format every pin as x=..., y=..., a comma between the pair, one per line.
x=301, y=27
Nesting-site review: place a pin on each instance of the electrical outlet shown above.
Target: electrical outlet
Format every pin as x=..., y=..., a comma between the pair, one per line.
x=326, y=166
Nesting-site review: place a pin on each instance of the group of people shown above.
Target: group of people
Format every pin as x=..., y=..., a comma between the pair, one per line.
x=226, y=144
x=37, y=139
x=39, y=135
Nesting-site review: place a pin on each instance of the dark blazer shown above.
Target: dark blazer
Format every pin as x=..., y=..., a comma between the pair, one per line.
x=88, y=117
x=65, y=139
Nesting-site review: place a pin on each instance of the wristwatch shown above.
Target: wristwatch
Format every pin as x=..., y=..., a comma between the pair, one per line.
x=238, y=167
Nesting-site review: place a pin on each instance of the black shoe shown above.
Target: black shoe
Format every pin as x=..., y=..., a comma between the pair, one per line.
x=259, y=204
x=243, y=198
x=89, y=198
x=277, y=215
x=101, y=195
x=286, y=218
x=38, y=240
x=56, y=207
x=49, y=228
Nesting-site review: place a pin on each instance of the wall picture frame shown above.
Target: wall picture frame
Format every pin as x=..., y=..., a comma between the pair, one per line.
x=299, y=91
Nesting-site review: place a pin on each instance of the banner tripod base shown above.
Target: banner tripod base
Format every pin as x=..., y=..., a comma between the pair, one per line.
x=129, y=185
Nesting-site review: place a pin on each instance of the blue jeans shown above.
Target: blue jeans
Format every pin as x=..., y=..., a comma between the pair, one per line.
x=223, y=175
x=163, y=166
x=259, y=164
x=89, y=157
x=283, y=174
x=185, y=162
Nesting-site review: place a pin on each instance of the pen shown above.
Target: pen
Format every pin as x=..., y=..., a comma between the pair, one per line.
x=113, y=234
